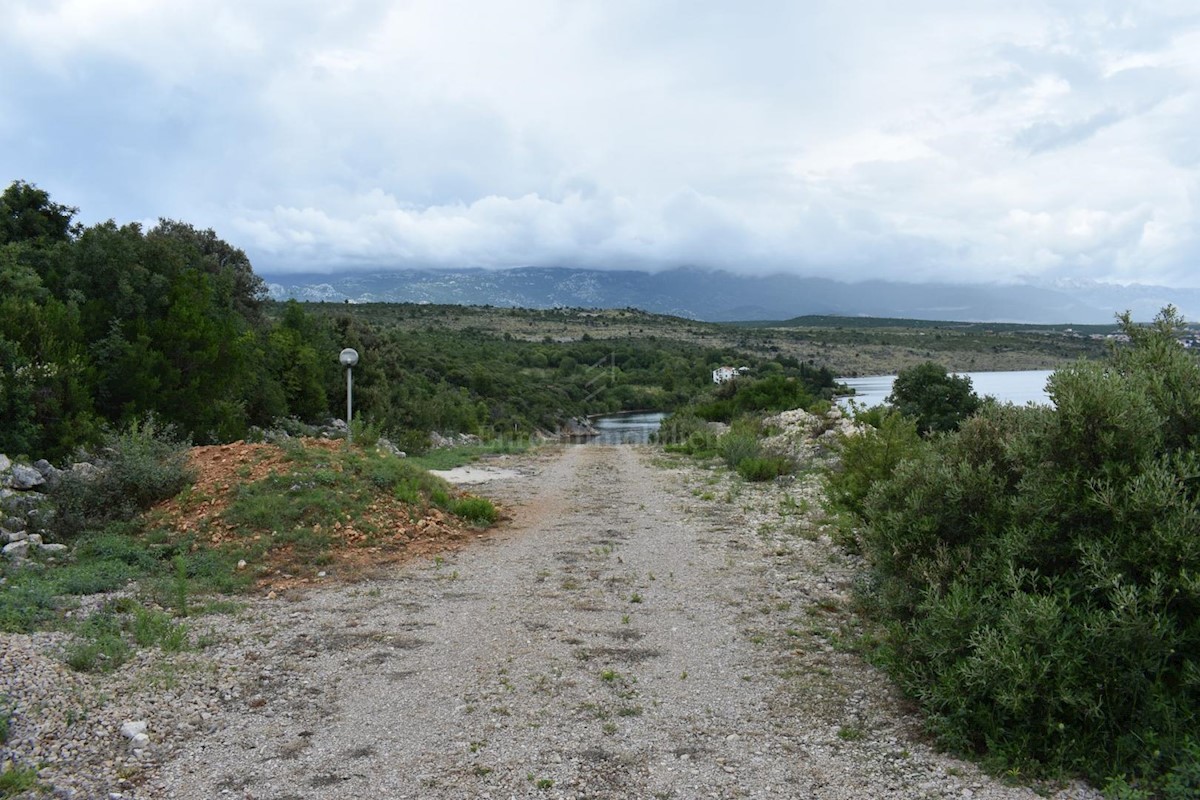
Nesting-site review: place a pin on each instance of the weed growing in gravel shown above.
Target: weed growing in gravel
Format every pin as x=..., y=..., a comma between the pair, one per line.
x=6, y=713
x=635, y=598
x=850, y=733
x=17, y=779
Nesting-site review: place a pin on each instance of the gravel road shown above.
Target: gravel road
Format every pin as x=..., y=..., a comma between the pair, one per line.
x=640, y=630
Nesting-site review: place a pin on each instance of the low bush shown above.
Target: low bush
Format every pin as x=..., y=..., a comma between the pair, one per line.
x=476, y=510
x=1036, y=571
x=764, y=468
x=137, y=467
x=735, y=447
x=869, y=457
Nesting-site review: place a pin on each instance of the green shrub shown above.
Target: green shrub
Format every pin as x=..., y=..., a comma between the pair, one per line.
x=676, y=429
x=759, y=468
x=28, y=602
x=476, y=510
x=18, y=779
x=98, y=644
x=156, y=629
x=735, y=447
x=868, y=457
x=138, y=467
x=1036, y=571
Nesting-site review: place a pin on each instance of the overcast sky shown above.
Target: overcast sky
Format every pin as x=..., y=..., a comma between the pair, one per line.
x=909, y=140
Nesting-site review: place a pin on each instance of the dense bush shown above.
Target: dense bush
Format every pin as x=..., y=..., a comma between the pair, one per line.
x=1037, y=570
x=937, y=400
x=772, y=393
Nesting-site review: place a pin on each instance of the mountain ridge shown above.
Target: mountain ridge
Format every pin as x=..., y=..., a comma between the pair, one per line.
x=718, y=296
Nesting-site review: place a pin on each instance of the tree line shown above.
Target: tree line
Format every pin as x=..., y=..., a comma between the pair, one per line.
x=103, y=325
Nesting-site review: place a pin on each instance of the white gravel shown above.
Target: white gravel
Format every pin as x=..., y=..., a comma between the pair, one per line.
x=637, y=631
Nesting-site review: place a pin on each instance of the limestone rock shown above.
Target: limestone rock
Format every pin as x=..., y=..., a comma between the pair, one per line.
x=25, y=478
x=15, y=550
x=131, y=728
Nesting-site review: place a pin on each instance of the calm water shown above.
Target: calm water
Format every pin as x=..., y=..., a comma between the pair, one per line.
x=1028, y=386
x=632, y=428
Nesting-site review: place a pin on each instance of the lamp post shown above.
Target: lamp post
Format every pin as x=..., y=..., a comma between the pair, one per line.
x=348, y=358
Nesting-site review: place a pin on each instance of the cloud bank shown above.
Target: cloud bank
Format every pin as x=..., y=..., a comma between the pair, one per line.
x=922, y=141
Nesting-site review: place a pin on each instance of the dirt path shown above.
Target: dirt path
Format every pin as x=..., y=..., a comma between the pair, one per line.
x=638, y=632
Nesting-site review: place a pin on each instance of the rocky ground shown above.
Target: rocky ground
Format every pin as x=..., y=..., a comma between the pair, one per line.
x=644, y=627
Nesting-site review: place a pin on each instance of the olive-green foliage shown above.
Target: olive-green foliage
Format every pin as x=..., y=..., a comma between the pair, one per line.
x=109, y=323
x=741, y=449
x=937, y=400
x=98, y=645
x=870, y=456
x=764, y=468
x=1037, y=571
x=138, y=466
x=773, y=393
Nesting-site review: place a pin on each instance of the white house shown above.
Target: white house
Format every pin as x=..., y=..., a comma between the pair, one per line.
x=722, y=374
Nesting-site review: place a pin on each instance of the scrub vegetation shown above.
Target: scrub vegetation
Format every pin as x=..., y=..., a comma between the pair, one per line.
x=1033, y=571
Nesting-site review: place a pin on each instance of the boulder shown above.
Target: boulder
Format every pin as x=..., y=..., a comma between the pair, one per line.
x=16, y=550
x=86, y=470
x=5, y=462
x=25, y=478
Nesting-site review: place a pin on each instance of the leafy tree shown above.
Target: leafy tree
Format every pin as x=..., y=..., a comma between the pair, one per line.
x=937, y=400
x=28, y=215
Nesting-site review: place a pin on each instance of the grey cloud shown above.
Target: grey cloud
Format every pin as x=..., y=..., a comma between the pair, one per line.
x=1045, y=136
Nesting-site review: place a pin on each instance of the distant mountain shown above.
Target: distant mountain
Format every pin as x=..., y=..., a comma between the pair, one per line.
x=723, y=296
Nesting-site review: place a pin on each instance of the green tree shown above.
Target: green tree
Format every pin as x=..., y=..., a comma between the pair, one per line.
x=937, y=400
x=28, y=214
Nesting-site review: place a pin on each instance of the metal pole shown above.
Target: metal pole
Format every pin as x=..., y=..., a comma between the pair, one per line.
x=349, y=404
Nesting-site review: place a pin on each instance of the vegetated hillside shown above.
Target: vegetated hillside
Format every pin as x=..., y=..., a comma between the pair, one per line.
x=511, y=372
x=845, y=345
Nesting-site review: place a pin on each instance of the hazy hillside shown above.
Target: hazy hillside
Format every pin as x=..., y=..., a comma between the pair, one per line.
x=723, y=296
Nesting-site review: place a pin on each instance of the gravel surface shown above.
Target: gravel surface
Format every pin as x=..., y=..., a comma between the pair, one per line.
x=641, y=629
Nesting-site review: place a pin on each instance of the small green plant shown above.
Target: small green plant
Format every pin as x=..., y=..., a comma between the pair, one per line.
x=764, y=468
x=476, y=510
x=850, y=733
x=156, y=629
x=6, y=714
x=635, y=598
x=18, y=779
x=98, y=645
x=180, y=585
